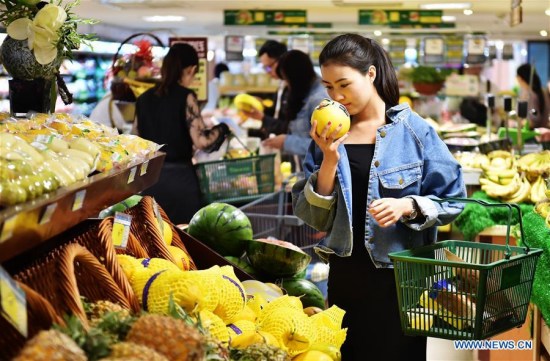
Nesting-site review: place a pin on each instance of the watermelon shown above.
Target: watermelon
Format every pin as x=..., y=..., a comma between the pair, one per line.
x=242, y=264
x=276, y=258
x=309, y=293
x=222, y=227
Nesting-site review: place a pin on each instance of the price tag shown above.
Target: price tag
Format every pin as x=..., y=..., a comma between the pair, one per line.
x=144, y=166
x=132, y=175
x=79, y=200
x=8, y=228
x=13, y=303
x=121, y=229
x=159, y=217
x=47, y=214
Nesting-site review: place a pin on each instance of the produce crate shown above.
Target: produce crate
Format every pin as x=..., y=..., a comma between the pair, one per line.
x=237, y=180
x=272, y=216
x=465, y=290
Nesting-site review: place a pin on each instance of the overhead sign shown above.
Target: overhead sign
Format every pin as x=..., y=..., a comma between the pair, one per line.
x=400, y=17
x=475, y=49
x=200, y=82
x=264, y=17
x=433, y=49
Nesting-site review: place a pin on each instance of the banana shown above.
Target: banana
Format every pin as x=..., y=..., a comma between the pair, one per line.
x=543, y=208
x=15, y=143
x=499, y=154
x=537, y=190
x=525, y=161
x=64, y=176
x=496, y=190
x=522, y=193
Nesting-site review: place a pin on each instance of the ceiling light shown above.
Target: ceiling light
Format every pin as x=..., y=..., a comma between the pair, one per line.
x=386, y=41
x=543, y=33
x=163, y=18
x=446, y=6
x=377, y=33
x=547, y=11
x=468, y=11
x=448, y=18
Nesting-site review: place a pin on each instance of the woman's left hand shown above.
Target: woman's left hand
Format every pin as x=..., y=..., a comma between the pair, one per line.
x=388, y=211
x=276, y=142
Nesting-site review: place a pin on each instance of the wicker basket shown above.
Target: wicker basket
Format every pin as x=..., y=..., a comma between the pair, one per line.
x=145, y=228
x=40, y=316
x=68, y=272
x=133, y=246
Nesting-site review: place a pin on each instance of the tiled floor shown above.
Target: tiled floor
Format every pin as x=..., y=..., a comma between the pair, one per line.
x=443, y=350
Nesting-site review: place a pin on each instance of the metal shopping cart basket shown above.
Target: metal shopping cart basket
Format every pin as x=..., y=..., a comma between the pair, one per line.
x=465, y=290
x=272, y=216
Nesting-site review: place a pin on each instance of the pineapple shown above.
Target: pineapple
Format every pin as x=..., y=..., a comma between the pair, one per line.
x=51, y=345
x=97, y=310
x=173, y=338
x=259, y=351
x=129, y=350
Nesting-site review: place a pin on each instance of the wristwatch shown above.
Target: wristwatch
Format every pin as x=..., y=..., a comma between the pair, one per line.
x=414, y=212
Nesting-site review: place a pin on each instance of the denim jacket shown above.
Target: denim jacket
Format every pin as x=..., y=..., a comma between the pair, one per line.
x=410, y=160
x=297, y=142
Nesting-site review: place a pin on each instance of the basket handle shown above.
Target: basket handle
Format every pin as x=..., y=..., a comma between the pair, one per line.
x=157, y=39
x=510, y=207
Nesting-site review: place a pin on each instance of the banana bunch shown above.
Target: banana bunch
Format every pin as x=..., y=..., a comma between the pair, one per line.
x=543, y=208
x=538, y=190
x=472, y=160
x=501, y=191
x=535, y=164
x=499, y=160
x=547, y=190
x=522, y=194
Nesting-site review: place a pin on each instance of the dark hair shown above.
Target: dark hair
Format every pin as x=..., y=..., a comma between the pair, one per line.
x=473, y=110
x=273, y=49
x=297, y=69
x=524, y=72
x=360, y=53
x=219, y=69
x=179, y=57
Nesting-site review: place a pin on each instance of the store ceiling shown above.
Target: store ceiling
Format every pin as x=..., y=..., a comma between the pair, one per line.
x=206, y=17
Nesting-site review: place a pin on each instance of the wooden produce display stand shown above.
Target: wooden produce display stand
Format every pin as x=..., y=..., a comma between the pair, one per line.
x=541, y=337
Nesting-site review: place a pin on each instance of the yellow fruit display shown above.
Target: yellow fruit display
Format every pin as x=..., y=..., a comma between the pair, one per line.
x=239, y=327
x=335, y=113
x=232, y=295
x=167, y=234
x=313, y=355
x=247, y=103
x=292, y=328
x=215, y=326
x=182, y=259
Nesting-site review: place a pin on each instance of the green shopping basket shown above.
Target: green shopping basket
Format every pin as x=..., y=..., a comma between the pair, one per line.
x=463, y=290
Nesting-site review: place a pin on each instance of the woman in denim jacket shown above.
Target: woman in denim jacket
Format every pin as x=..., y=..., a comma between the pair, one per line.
x=373, y=192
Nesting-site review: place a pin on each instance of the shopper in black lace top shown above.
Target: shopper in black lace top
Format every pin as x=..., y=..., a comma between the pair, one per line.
x=169, y=114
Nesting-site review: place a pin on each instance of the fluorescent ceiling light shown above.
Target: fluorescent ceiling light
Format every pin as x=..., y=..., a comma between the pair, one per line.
x=543, y=33
x=163, y=18
x=377, y=33
x=547, y=12
x=468, y=12
x=448, y=18
x=446, y=6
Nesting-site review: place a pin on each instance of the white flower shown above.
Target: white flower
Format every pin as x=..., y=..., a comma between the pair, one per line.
x=42, y=32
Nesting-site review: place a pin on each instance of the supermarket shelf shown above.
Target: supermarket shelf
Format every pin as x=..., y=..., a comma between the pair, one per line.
x=230, y=90
x=25, y=226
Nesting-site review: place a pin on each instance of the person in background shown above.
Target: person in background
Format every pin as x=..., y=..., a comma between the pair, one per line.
x=373, y=191
x=305, y=92
x=531, y=90
x=269, y=55
x=169, y=114
x=213, y=91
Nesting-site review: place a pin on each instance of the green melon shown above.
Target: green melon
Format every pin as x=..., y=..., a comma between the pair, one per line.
x=276, y=258
x=222, y=227
x=309, y=293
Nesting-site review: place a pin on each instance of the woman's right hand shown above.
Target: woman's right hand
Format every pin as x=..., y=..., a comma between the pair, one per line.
x=254, y=114
x=328, y=142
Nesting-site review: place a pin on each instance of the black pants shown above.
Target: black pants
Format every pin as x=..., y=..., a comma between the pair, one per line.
x=369, y=297
x=177, y=192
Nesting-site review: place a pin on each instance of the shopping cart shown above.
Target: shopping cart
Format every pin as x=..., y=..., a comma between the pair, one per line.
x=272, y=216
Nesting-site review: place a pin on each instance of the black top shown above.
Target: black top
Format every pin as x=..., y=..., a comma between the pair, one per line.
x=360, y=158
x=163, y=121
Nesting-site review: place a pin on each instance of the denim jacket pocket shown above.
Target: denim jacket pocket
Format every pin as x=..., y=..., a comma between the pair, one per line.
x=400, y=181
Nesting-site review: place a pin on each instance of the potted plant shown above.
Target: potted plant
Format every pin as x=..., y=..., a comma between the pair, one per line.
x=427, y=80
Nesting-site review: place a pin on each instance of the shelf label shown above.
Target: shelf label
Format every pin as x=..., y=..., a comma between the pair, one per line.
x=144, y=166
x=8, y=228
x=13, y=303
x=79, y=200
x=47, y=214
x=158, y=216
x=121, y=229
x=132, y=175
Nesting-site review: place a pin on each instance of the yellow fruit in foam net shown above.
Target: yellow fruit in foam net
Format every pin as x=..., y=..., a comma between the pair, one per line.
x=185, y=292
x=139, y=280
x=128, y=264
x=331, y=317
x=239, y=327
x=285, y=301
x=256, y=303
x=248, y=338
x=246, y=314
x=313, y=355
x=215, y=326
x=328, y=336
x=158, y=264
x=232, y=297
x=208, y=281
x=292, y=328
